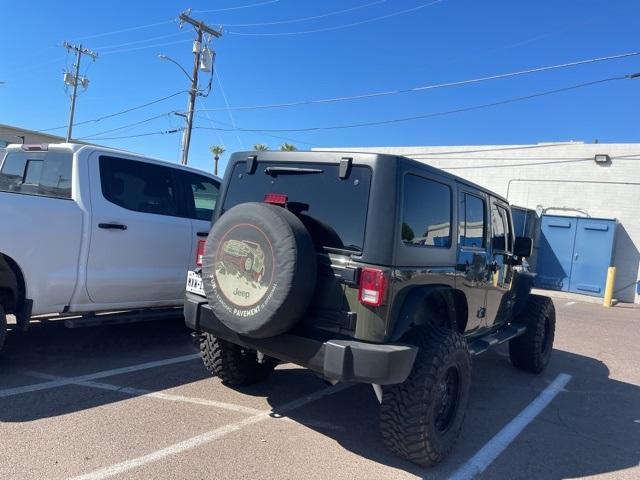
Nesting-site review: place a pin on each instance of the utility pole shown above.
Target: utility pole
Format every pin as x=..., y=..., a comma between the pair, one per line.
x=72, y=79
x=201, y=28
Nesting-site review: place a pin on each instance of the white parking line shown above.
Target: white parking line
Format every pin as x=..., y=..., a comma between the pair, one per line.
x=206, y=437
x=494, y=447
x=93, y=376
x=140, y=392
x=568, y=304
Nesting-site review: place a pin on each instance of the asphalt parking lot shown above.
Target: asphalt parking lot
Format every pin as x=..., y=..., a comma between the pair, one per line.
x=134, y=401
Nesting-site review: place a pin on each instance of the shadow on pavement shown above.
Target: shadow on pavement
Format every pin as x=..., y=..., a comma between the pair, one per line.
x=588, y=429
x=52, y=349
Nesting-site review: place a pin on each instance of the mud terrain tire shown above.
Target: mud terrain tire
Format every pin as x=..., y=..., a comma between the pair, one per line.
x=421, y=419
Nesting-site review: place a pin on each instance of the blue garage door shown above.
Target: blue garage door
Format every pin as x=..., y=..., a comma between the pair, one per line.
x=555, y=252
x=574, y=253
x=592, y=255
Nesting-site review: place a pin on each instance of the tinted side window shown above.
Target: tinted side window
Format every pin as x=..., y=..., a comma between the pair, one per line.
x=426, y=215
x=507, y=227
x=138, y=186
x=203, y=192
x=471, y=231
x=42, y=173
x=499, y=228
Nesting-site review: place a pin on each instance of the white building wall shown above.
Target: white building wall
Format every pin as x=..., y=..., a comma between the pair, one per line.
x=555, y=176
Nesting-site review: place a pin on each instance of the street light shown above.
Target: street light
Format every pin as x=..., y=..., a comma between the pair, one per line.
x=164, y=57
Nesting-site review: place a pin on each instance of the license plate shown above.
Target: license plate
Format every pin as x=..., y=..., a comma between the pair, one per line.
x=194, y=283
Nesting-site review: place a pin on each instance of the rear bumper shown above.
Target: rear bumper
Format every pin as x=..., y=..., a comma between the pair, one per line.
x=340, y=360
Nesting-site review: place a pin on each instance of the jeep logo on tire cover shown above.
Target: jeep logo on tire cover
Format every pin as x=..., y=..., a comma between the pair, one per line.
x=244, y=268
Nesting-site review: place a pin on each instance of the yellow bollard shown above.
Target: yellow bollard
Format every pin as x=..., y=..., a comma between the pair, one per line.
x=608, y=289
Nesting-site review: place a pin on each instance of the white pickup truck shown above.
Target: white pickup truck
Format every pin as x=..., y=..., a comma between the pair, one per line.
x=86, y=229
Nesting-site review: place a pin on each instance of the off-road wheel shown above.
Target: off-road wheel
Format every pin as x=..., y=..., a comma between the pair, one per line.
x=421, y=419
x=531, y=351
x=233, y=364
x=3, y=326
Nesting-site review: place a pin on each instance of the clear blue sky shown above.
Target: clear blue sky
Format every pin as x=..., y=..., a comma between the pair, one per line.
x=448, y=41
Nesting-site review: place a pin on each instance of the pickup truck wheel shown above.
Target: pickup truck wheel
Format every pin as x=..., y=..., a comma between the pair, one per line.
x=531, y=351
x=3, y=326
x=421, y=419
x=266, y=304
x=233, y=364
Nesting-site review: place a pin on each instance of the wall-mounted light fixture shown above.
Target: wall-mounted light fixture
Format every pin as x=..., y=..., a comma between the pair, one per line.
x=601, y=158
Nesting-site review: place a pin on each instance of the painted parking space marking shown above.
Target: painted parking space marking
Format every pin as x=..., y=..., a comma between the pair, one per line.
x=208, y=437
x=568, y=304
x=494, y=447
x=8, y=392
x=141, y=392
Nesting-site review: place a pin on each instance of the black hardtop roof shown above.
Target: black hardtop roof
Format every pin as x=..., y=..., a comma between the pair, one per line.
x=333, y=156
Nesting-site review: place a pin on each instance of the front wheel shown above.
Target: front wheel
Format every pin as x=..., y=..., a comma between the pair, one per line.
x=233, y=364
x=531, y=351
x=3, y=326
x=421, y=419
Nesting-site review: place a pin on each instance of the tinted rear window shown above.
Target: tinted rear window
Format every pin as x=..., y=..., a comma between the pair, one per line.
x=334, y=210
x=46, y=174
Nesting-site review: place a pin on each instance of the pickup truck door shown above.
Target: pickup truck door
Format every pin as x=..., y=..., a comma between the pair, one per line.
x=140, y=234
x=499, y=302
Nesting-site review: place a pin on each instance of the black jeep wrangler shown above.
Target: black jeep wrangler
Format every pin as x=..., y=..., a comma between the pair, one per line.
x=366, y=268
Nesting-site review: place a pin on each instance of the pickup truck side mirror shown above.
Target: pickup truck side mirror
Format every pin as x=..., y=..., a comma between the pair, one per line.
x=523, y=247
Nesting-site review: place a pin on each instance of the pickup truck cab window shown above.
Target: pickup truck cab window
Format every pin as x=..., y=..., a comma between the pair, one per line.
x=203, y=192
x=139, y=186
x=46, y=174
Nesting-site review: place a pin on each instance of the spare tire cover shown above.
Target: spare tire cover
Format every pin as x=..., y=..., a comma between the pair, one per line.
x=259, y=269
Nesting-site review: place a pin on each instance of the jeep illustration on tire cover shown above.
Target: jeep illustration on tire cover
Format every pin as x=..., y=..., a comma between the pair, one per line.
x=241, y=266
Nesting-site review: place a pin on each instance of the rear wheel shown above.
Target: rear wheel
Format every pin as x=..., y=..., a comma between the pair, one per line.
x=421, y=419
x=532, y=350
x=233, y=364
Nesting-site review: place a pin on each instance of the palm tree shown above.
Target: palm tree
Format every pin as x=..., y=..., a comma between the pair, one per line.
x=288, y=147
x=217, y=150
x=260, y=147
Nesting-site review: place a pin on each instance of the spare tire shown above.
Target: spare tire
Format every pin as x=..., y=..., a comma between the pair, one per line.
x=259, y=269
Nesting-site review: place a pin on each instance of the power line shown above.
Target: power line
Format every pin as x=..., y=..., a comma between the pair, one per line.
x=304, y=19
x=166, y=22
x=233, y=121
x=240, y=7
x=338, y=27
x=148, y=134
x=289, y=139
x=437, y=114
x=136, y=42
x=431, y=86
x=141, y=122
x=121, y=112
x=125, y=50
x=124, y=30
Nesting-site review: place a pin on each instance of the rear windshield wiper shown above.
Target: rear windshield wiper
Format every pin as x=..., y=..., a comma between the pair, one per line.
x=291, y=171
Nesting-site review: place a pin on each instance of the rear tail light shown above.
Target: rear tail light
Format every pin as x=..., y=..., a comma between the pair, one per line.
x=373, y=287
x=279, y=199
x=200, y=252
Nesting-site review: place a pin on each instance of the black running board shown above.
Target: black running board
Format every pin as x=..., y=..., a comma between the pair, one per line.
x=502, y=335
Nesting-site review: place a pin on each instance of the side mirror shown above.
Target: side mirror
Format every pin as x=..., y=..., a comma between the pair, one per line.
x=523, y=247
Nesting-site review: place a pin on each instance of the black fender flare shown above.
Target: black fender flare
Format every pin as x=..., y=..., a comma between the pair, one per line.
x=413, y=308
